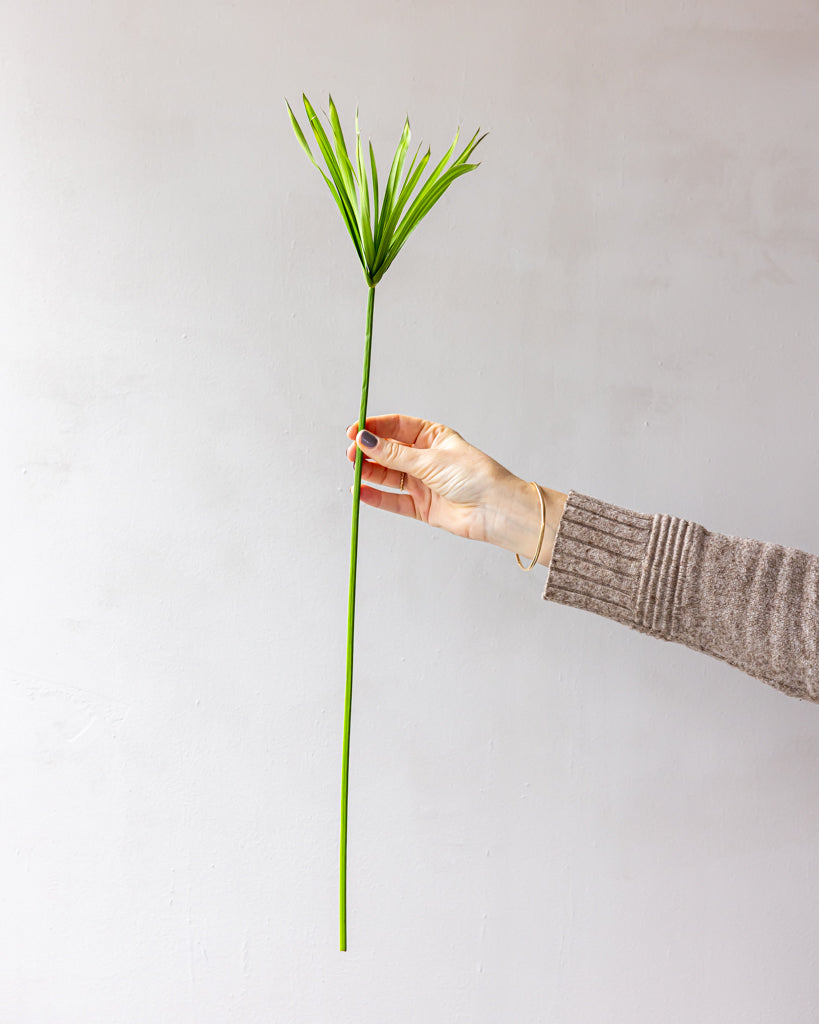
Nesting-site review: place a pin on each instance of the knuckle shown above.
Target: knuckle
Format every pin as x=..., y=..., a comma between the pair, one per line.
x=389, y=453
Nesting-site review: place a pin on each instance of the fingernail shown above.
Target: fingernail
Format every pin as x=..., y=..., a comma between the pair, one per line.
x=368, y=440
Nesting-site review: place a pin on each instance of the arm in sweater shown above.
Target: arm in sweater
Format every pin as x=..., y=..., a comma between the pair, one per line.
x=750, y=603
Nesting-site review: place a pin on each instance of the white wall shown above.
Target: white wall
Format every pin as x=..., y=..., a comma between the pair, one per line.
x=552, y=818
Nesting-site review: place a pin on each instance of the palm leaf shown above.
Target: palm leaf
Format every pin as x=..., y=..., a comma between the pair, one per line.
x=348, y=204
x=301, y=138
x=352, y=227
x=344, y=163
x=364, y=201
x=379, y=230
x=470, y=146
x=393, y=234
x=410, y=182
x=429, y=194
x=439, y=170
x=423, y=203
x=375, y=186
x=392, y=180
x=443, y=161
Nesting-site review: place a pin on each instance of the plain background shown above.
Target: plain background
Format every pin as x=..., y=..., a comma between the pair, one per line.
x=552, y=818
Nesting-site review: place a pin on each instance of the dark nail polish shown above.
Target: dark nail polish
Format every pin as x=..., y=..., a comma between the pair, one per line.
x=368, y=440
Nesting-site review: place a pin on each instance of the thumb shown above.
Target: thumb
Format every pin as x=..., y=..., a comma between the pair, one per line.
x=387, y=452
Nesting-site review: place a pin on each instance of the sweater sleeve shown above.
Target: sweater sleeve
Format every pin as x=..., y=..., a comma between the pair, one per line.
x=747, y=602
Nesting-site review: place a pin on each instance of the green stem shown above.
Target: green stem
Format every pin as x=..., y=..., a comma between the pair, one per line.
x=348, y=695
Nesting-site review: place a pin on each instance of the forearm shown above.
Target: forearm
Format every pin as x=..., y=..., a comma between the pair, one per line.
x=750, y=603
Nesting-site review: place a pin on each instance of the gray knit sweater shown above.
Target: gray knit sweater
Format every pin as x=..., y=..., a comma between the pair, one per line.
x=747, y=602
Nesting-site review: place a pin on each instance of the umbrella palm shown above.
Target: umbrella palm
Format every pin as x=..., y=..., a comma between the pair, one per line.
x=378, y=232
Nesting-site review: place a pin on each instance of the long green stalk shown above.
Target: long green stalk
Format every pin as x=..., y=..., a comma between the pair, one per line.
x=348, y=693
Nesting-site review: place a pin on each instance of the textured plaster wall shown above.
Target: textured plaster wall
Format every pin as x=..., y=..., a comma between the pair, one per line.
x=552, y=818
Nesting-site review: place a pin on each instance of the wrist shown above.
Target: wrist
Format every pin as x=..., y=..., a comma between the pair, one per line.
x=518, y=517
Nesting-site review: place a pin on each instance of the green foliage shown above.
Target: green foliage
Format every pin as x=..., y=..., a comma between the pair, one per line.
x=379, y=233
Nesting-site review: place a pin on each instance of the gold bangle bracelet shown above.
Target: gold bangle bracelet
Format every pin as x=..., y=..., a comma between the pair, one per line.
x=526, y=568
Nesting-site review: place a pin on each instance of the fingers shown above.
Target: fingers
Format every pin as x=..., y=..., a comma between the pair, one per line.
x=389, y=501
x=372, y=473
x=405, y=429
x=402, y=458
x=382, y=477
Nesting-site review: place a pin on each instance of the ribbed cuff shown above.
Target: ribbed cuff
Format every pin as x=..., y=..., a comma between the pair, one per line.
x=597, y=558
x=624, y=565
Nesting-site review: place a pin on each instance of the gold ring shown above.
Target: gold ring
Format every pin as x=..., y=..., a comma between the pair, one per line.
x=403, y=476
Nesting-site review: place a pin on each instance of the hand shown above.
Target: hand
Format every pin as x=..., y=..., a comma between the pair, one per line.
x=449, y=483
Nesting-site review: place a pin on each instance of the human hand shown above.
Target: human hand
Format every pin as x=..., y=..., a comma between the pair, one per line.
x=449, y=483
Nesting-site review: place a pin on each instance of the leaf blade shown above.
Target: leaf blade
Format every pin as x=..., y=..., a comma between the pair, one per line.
x=364, y=201
x=395, y=173
x=345, y=204
x=375, y=189
x=300, y=136
x=313, y=161
x=421, y=206
x=410, y=182
x=345, y=164
x=439, y=175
